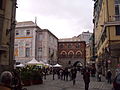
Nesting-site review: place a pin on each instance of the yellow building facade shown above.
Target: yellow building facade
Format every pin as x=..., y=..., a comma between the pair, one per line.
x=107, y=34
x=7, y=27
x=88, y=54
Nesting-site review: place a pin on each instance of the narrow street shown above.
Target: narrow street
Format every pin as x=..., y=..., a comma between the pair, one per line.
x=57, y=84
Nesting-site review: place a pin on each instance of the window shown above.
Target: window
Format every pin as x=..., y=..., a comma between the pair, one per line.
x=78, y=46
x=27, y=32
x=39, y=52
x=1, y=27
x=78, y=54
x=61, y=45
x=63, y=54
x=117, y=10
x=27, y=53
x=17, y=32
x=27, y=44
x=40, y=37
x=1, y=4
x=117, y=1
x=16, y=44
x=70, y=54
x=40, y=49
x=69, y=46
x=118, y=30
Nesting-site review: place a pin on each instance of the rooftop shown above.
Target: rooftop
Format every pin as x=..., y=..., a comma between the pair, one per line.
x=25, y=24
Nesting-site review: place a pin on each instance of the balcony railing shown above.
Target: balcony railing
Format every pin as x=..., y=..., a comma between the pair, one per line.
x=115, y=18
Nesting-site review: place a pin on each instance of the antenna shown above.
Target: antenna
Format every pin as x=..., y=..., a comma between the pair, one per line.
x=35, y=20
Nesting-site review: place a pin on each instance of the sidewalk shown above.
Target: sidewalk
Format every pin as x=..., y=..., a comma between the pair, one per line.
x=50, y=84
x=103, y=85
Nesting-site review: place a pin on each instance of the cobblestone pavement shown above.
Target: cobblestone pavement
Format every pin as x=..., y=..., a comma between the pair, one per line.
x=57, y=84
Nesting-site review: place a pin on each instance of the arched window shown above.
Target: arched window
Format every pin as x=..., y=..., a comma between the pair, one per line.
x=63, y=54
x=71, y=54
x=78, y=54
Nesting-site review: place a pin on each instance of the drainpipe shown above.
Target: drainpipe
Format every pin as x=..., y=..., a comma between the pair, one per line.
x=108, y=32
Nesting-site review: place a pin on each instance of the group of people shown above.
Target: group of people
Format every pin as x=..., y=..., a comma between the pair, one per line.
x=12, y=81
x=70, y=74
x=65, y=73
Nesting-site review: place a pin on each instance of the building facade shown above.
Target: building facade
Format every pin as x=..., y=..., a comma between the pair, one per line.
x=88, y=56
x=47, y=47
x=70, y=52
x=7, y=28
x=85, y=36
x=75, y=38
x=107, y=34
x=33, y=42
x=25, y=39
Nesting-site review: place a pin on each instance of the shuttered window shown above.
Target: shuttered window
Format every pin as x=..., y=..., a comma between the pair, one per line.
x=1, y=4
x=118, y=30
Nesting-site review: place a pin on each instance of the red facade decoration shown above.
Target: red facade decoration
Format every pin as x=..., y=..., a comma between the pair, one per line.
x=71, y=51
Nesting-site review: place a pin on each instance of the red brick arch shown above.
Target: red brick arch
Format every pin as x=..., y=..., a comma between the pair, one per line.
x=78, y=53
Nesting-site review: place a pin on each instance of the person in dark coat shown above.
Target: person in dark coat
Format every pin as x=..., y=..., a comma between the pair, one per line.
x=16, y=81
x=54, y=72
x=86, y=78
x=109, y=75
x=73, y=72
x=6, y=80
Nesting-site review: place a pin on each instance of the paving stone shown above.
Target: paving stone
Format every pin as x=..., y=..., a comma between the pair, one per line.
x=50, y=84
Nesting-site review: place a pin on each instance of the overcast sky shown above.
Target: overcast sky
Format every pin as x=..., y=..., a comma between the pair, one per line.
x=64, y=18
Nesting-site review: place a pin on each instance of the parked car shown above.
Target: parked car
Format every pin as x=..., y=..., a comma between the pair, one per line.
x=116, y=82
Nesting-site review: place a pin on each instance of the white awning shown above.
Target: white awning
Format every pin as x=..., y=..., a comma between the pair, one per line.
x=20, y=65
x=57, y=65
x=32, y=62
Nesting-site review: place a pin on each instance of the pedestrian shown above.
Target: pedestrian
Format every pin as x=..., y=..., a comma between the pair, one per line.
x=45, y=72
x=16, y=80
x=6, y=80
x=73, y=72
x=54, y=72
x=93, y=71
x=99, y=76
x=86, y=78
x=58, y=73
x=69, y=74
x=109, y=75
x=66, y=74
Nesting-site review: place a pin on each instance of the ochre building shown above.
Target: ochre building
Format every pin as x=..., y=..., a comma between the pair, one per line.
x=107, y=34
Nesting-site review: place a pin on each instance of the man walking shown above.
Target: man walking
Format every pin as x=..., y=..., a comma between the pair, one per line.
x=74, y=72
x=109, y=75
x=86, y=78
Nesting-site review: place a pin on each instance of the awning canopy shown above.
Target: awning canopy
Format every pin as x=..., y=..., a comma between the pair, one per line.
x=32, y=62
x=57, y=65
x=20, y=65
x=40, y=62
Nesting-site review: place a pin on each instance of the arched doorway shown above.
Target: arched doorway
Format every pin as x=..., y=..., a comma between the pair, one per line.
x=78, y=63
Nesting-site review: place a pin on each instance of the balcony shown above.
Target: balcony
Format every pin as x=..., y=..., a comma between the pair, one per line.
x=3, y=48
x=115, y=18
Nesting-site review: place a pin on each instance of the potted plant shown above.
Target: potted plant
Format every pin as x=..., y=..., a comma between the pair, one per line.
x=26, y=77
x=36, y=77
